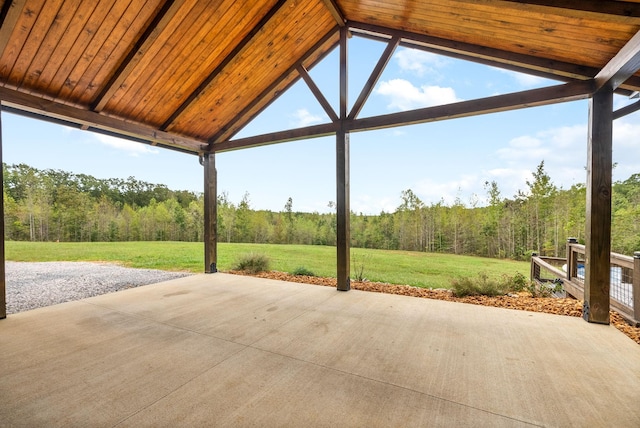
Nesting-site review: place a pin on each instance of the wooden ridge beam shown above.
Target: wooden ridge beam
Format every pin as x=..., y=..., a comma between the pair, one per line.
x=93, y=120
x=153, y=29
x=513, y=101
x=622, y=66
x=234, y=53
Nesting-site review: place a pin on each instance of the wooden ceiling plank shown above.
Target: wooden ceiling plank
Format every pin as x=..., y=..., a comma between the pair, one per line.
x=536, y=97
x=81, y=88
x=42, y=27
x=158, y=23
x=10, y=13
x=74, y=31
x=151, y=82
x=245, y=116
x=335, y=12
x=374, y=77
x=195, y=94
x=622, y=66
x=57, y=28
x=83, y=45
x=53, y=109
x=141, y=78
x=473, y=52
x=275, y=51
x=210, y=50
x=317, y=93
x=516, y=33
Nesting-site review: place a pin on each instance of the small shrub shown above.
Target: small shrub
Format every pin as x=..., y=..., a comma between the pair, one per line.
x=303, y=271
x=480, y=286
x=252, y=263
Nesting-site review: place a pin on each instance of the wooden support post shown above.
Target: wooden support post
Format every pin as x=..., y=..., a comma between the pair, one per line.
x=210, y=213
x=598, y=225
x=636, y=286
x=3, y=289
x=343, y=235
x=572, y=260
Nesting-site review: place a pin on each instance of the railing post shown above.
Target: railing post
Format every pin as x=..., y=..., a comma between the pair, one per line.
x=533, y=275
x=636, y=286
x=572, y=259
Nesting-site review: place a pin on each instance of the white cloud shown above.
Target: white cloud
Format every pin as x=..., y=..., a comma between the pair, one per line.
x=302, y=117
x=130, y=147
x=419, y=62
x=404, y=95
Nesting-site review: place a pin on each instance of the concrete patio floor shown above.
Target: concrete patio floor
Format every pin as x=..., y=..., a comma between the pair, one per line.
x=224, y=350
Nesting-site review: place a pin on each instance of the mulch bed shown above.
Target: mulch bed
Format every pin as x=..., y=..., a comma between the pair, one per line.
x=519, y=301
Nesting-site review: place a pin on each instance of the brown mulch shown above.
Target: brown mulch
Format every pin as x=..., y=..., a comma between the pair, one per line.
x=520, y=301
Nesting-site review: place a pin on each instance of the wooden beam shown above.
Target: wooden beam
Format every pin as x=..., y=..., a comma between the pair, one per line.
x=541, y=67
x=317, y=93
x=622, y=66
x=210, y=213
x=153, y=29
x=314, y=131
x=598, y=221
x=373, y=78
x=623, y=111
x=343, y=210
x=92, y=120
x=621, y=9
x=244, y=116
x=335, y=11
x=3, y=282
x=235, y=52
x=531, y=98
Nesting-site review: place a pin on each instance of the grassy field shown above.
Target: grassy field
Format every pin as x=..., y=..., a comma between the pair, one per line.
x=396, y=267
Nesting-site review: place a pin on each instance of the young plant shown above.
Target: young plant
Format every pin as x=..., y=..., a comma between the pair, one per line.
x=252, y=263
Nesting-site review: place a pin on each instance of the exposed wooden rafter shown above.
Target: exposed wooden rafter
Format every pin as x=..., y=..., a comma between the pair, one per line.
x=622, y=66
x=336, y=12
x=92, y=120
x=207, y=81
x=148, y=37
x=530, y=64
x=569, y=8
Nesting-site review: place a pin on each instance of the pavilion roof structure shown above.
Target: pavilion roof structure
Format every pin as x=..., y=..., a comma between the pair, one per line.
x=188, y=75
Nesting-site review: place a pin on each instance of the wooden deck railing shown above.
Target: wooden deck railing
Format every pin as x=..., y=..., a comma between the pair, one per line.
x=624, y=279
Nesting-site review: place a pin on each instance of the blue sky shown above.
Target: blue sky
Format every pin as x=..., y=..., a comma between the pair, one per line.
x=438, y=161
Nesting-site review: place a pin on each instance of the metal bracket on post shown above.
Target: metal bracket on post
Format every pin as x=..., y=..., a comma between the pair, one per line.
x=585, y=311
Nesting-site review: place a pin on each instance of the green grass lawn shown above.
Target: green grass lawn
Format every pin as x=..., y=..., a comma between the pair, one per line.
x=397, y=267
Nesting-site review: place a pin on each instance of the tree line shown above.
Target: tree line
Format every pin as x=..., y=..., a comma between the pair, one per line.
x=54, y=205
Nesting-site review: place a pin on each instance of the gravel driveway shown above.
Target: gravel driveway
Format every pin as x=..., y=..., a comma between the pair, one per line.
x=33, y=285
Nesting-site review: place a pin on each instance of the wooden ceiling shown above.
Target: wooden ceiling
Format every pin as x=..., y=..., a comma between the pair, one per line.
x=189, y=74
